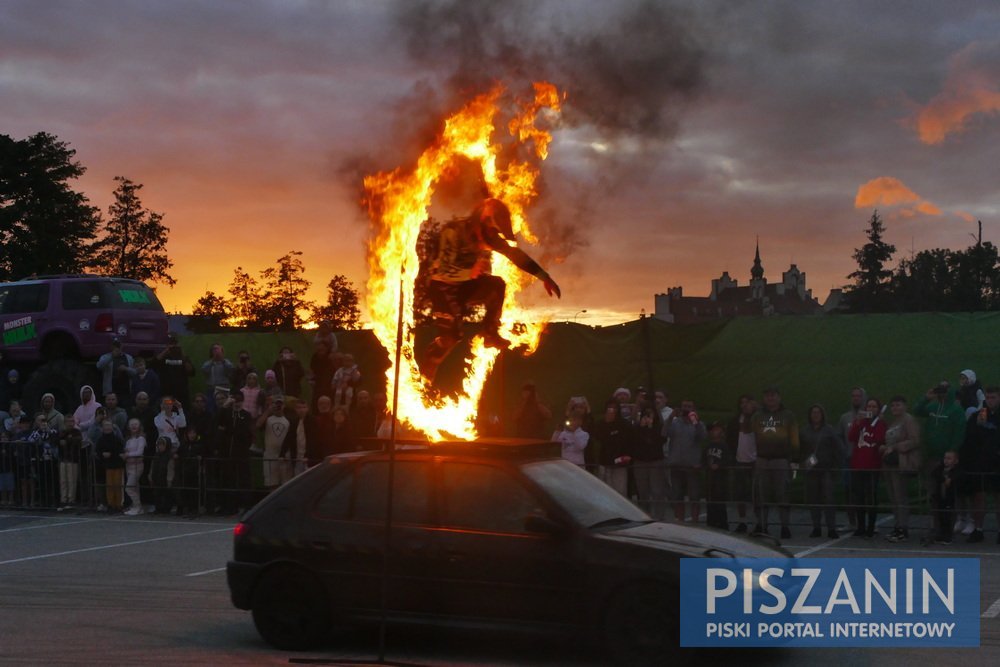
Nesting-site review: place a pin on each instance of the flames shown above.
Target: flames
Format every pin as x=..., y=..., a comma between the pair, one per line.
x=398, y=202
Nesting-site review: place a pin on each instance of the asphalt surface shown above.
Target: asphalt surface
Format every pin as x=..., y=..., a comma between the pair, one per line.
x=93, y=589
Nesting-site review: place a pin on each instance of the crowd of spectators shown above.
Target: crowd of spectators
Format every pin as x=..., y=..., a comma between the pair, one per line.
x=942, y=454
x=143, y=442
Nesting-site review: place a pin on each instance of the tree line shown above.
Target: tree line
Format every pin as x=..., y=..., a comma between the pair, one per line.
x=936, y=280
x=49, y=228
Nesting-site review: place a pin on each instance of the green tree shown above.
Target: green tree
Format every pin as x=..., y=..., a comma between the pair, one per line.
x=974, y=277
x=341, y=309
x=870, y=290
x=46, y=227
x=245, y=300
x=923, y=282
x=135, y=239
x=209, y=314
x=283, y=305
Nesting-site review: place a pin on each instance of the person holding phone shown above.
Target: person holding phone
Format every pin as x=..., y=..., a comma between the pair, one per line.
x=868, y=436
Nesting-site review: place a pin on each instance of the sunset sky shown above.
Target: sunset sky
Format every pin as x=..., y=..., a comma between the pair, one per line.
x=689, y=128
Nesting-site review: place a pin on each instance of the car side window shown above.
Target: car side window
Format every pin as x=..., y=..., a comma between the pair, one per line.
x=84, y=295
x=361, y=496
x=483, y=497
x=25, y=299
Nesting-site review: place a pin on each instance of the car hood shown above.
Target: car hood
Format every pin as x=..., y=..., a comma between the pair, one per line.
x=694, y=541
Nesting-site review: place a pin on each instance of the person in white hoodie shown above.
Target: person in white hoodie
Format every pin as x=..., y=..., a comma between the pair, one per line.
x=84, y=414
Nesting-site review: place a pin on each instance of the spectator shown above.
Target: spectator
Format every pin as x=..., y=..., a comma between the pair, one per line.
x=980, y=456
x=115, y=369
x=901, y=461
x=85, y=412
x=8, y=482
x=275, y=425
x=233, y=440
x=110, y=450
x=135, y=450
x=268, y=391
x=867, y=435
x=241, y=371
x=163, y=462
x=198, y=416
x=578, y=406
x=321, y=371
x=325, y=427
x=573, y=441
x=945, y=477
x=613, y=435
x=531, y=420
x=623, y=397
x=12, y=422
x=175, y=372
x=70, y=454
x=970, y=393
x=45, y=450
x=54, y=418
x=251, y=395
x=776, y=434
x=325, y=335
x=684, y=433
x=11, y=387
x=943, y=429
x=821, y=458
x=660, y=400
x=116, y=414
x=858, y=399
x=345, y=379
x=170, y=422
x=146, y=380
x=364, y=415
x=146, y=414
x=217, y=371
x=717, y=460
x=647, y=465
x=343, y=433
x=289, y=372
x=299, y=441
x=740, y=437
x=186, y=480
x=25, y=459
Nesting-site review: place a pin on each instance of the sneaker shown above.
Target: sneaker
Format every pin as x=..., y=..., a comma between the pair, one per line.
x=970, y=527
x=102, y=508
x=975, y=536
x=959, y=525
x=132, y=511
x=785, y=533
x=741, y=528
x=816, y=532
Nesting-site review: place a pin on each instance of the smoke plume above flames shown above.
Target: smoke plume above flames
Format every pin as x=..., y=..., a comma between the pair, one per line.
x=627, y=71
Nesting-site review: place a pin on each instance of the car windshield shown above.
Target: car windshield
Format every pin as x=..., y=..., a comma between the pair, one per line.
x=589, y=501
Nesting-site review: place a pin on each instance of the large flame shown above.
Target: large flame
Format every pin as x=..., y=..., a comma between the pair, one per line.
x=398, y=203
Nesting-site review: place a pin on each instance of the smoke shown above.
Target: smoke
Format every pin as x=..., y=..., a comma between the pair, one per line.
x=628, y=70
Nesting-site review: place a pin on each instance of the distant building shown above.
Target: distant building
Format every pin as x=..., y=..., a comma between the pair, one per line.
x=759, y=298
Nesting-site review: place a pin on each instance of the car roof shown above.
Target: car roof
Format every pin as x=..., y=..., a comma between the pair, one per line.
x=68, y=277
x=510, y=449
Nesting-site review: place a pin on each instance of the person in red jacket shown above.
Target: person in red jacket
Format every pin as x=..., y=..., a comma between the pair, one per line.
x=867, y=435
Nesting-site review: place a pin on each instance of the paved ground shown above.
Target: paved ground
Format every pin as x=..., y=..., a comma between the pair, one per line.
x=94, y=589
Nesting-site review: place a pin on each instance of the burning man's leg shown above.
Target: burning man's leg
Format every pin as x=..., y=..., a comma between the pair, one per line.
x=490, y=291
x=447, y=313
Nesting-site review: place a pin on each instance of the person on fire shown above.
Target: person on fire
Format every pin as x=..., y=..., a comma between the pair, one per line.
x=460, y=276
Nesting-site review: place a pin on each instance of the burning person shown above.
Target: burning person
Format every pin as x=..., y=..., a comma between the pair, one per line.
x=459, y=277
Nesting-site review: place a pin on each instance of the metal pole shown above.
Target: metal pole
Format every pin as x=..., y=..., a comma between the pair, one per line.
x=392, y=469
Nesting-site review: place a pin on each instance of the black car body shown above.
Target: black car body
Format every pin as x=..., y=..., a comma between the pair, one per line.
x=489, y=533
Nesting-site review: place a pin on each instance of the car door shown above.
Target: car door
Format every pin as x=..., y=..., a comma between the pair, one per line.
x=23, y=318
x=344, y=537
x=490, y=566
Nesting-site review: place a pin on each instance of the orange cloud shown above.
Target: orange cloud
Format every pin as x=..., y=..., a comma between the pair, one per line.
x=969, y=89
x=889, y=191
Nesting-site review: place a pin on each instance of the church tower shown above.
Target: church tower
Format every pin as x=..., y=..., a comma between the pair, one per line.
x=757, y=281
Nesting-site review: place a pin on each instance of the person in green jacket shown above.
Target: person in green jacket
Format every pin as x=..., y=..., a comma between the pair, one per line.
x=943, y=430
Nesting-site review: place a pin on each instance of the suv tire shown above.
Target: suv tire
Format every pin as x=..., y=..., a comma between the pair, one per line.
x=291, y=609
x=642, y=626
x=63, y=379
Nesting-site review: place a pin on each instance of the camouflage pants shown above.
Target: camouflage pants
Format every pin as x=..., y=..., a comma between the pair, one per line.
x=449, y=301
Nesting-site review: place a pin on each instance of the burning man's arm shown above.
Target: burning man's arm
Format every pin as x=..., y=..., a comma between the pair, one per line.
x=521, y=261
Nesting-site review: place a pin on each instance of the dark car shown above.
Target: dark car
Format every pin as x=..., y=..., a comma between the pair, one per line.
x=488, y=533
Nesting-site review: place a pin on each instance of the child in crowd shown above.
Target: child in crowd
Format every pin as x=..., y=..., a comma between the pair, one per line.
x=344, y=380
x=7, y=479
x=110, y=449
x=159, y=476
x=946, y=478
x=135, y=447
x=70, y=452
x=716, y=476
x=573, y=440
x=45, y=448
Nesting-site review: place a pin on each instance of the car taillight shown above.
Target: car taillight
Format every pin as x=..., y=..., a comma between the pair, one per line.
x=241, y=529
x=105, y=323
